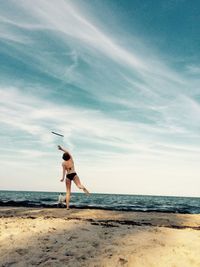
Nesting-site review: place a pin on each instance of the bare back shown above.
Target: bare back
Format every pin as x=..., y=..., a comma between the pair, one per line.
x=69, y=165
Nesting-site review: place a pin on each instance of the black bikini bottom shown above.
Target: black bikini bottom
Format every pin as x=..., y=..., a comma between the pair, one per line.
x=71, y=176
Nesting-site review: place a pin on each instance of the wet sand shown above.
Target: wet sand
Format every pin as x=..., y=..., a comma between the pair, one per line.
x=84, y=237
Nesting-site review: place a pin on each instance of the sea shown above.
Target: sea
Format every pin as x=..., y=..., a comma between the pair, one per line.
x=190, y=205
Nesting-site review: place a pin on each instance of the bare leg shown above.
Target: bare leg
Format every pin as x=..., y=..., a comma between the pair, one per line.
x=68, y=192
x=79, y=185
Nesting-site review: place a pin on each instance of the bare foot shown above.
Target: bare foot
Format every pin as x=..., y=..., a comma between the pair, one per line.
x=85, y=191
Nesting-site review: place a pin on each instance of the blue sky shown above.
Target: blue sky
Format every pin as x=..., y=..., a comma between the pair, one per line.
x=120, y=80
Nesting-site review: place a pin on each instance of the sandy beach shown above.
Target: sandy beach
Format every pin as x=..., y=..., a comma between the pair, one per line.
x=84, y=237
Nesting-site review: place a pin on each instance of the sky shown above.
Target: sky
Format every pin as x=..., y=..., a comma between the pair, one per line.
x=119, y=79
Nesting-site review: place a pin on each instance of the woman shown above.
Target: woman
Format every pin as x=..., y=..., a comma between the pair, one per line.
x=68, y=166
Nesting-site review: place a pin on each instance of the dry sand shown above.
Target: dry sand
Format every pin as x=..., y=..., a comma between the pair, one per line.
x=58, y=237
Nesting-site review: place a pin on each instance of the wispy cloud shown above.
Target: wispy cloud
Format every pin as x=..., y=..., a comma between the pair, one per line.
x=38, y=117
x=194, y=69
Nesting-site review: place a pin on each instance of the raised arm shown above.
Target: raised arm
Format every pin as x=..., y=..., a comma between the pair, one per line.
x=62, y=149
x=66, y=151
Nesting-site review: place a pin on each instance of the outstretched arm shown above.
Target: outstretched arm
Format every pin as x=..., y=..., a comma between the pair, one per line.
x=62, y=149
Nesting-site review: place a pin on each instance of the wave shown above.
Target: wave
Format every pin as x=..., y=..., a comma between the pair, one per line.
x=36, y=204
x=25, y=203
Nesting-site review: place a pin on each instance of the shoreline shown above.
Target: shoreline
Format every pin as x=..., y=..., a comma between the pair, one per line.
x=97, y=238
x=12, y=204
x=94, y=214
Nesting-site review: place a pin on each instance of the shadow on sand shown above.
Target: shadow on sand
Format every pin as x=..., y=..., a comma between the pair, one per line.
x=57, y=237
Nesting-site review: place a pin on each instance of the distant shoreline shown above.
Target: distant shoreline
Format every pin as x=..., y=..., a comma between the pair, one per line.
x=101, y=193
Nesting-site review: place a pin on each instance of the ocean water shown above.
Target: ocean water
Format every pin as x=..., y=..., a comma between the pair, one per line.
x=103, y=201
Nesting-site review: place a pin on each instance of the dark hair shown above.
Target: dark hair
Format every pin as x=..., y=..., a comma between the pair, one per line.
x=66, y=156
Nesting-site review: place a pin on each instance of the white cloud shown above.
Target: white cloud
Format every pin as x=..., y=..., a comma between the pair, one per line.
x=193, y=69
x=38, y=117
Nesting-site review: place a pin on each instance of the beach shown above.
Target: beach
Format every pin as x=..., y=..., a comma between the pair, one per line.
x=92, y=237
